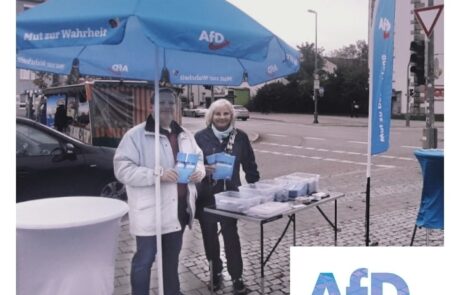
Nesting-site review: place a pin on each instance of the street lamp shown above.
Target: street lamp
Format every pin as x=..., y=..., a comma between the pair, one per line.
x=315, y=74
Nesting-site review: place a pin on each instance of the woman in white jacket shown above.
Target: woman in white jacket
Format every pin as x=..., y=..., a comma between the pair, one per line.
x=134, y=165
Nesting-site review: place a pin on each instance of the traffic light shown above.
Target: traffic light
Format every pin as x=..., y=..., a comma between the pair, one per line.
x=417, y=59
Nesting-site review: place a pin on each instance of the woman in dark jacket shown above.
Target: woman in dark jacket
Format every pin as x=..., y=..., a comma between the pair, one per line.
x=215, y=138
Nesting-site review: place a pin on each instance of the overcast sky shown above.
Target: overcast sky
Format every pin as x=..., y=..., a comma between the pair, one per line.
x=340, y=22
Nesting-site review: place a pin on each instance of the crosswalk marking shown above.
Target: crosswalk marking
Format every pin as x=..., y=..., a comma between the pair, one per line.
x=313, y=138
x=334, y=151
x=320, y=158
x=276, y=135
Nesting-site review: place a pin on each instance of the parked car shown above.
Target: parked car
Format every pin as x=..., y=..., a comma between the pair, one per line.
x=241, y=112
x=52, y=164
x=199, y=111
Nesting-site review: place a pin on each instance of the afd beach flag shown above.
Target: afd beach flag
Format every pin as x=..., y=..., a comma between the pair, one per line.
x=381, y=69
x=381, y=41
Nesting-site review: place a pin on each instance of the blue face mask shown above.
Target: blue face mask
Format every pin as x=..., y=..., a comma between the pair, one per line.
x=221, y=135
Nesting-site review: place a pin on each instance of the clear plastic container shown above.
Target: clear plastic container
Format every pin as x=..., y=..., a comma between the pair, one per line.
x=282, y=194
x=313, y=180
x=266, y=191
x=235, y=201
x=303, y=183
x=269, y=209
x=295, y=185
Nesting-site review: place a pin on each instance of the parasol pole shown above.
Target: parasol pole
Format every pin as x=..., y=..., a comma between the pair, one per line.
x=159, y=256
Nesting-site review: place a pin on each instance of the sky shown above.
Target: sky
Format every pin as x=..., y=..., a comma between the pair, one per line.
x=340, y=22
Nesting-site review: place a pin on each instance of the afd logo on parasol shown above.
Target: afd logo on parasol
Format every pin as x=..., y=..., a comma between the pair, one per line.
x=119, y=68
x=272, y=69
x=216, y=40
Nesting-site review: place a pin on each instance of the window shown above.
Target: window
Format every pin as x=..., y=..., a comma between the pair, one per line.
x=33, y=142
x=24, y=74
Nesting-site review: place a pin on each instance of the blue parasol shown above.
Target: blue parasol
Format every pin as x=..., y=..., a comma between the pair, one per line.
x=197, y=42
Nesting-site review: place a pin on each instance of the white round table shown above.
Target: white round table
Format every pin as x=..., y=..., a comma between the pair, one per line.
x=67, y=245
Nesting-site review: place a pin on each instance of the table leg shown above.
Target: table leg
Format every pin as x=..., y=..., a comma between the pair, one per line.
x=262, y=276
x=293, y=226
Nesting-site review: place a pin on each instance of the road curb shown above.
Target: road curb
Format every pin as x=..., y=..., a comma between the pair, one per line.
x=253, y=137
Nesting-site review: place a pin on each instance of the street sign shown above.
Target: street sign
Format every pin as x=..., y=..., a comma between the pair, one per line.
x=321, y=91
x=316, y=85
x=439, y=92
x=428, y=16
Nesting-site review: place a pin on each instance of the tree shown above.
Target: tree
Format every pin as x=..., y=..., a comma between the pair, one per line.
x=352, y=51
x=350, y=80
x=43, y=79
x=304, y=77
x=296, y=95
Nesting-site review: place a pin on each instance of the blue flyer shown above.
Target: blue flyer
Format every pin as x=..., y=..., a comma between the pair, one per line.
x=223, y=165
x=185, y=165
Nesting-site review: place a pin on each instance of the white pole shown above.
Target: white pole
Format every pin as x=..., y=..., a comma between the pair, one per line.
x=159, y=256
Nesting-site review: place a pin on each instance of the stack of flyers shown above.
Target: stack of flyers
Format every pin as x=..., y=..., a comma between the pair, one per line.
x=223, y=163
x=185, y=165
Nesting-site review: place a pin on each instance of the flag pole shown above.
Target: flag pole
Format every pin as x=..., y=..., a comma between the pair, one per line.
x=369, y=126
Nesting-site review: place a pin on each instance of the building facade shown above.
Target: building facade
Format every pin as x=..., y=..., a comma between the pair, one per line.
x=24, y=78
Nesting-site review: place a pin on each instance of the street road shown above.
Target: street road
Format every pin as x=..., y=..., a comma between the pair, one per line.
x=336, y=148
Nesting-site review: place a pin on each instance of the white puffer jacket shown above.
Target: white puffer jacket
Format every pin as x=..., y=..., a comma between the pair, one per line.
x=134, y=165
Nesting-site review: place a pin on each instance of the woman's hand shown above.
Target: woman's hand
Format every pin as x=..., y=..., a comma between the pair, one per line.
x=195, y=177
x=209, y=169
x=170, y=175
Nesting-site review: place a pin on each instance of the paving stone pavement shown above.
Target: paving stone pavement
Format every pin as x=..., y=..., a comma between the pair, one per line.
x=395, y=198
x=387, y=229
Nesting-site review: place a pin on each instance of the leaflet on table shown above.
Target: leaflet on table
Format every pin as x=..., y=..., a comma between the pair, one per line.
x=223, y=163
x=185, y=165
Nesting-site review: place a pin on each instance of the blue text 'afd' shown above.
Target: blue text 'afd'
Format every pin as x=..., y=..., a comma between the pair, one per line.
x=326, y=281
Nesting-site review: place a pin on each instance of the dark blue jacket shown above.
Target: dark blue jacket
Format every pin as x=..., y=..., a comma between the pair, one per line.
x=244, y=155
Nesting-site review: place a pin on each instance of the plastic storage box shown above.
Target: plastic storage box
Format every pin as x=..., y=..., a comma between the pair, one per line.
x=295, y=185
x=313, y=180
x=300, y=183
x=266, y=191
x=282, y=194
x=269, y=209
x=235, y=201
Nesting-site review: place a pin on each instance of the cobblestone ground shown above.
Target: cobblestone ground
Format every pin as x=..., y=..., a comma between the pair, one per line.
x=387, y=229
x=395, y=198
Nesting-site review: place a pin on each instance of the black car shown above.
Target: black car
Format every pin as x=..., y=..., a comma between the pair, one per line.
x=52, y=164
